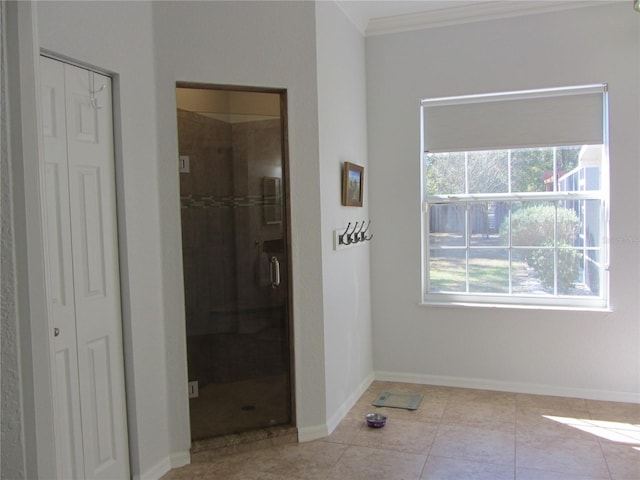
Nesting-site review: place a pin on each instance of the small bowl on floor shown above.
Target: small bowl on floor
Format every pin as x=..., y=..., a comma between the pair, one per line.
x=376, y=420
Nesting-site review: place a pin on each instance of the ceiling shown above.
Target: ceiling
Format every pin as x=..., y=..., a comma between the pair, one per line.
x=374, y=17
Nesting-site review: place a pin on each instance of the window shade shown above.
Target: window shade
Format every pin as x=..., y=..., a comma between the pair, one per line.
x=560, y=117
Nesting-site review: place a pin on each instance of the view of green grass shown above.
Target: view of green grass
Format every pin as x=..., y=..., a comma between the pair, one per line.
x=490, y=275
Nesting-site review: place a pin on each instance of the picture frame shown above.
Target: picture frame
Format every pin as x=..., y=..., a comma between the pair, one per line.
x=352, y=185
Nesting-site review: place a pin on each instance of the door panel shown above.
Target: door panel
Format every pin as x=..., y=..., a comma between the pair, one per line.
x=68, y=435
x=85, y=118
x=91, y=232
x=58, y=235
x=102, y=411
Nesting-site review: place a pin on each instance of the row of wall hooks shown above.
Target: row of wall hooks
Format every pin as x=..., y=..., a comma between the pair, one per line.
x=352, y=235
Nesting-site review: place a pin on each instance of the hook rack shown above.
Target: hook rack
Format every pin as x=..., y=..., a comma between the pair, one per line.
x=352, y=235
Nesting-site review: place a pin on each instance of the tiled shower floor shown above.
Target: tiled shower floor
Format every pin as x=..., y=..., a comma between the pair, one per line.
x=226, y=408
x=456, y=434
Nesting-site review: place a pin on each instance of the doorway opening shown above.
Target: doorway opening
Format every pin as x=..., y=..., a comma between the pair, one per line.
x=235, y=245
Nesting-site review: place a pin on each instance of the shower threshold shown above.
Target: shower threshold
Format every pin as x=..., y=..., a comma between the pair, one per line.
x=215, y=447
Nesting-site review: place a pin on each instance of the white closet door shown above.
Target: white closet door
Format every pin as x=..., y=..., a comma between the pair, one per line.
x=93, y=259
x=60, y=272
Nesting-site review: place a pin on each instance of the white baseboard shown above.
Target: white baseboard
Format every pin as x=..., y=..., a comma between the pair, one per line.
x=156, y=472
x=180, y=459
x=343, y=410
x=515, y=387
x=307, y=434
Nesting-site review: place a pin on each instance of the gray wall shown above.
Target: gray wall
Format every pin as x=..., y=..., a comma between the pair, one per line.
x=11, y=446
x=118, y=37
x=267, y=44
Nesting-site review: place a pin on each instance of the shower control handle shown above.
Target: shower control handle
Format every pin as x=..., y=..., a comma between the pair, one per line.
x=275, y=272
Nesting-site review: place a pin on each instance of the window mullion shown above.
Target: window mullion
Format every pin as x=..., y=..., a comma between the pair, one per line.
x=555, y=247
x=509, y=246
x=555, y=170
x=502, y=197
x=509, y=236
x=466, y=221
x=467, y=245
x=466, y=173
x=509, y=170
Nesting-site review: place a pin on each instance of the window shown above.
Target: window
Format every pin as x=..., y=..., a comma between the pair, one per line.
x=515, y=198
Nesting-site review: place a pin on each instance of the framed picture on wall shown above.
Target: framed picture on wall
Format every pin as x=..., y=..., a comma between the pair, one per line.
x=352, y=184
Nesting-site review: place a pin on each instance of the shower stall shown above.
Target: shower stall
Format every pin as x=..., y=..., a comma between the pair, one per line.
x=235, y=244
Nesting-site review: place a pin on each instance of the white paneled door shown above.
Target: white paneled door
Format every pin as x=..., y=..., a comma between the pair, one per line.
x=79, y=215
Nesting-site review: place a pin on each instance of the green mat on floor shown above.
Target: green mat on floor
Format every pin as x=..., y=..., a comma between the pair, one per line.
x=408, y=401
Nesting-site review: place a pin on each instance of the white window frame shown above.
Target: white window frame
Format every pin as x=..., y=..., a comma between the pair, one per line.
x=510, y=300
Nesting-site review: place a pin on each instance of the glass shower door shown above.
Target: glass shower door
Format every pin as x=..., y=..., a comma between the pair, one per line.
x=235, y=244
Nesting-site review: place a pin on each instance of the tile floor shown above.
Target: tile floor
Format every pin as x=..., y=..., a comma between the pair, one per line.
x=456, y=434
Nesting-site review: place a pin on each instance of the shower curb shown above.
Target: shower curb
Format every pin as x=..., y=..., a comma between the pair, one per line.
x=205, y=450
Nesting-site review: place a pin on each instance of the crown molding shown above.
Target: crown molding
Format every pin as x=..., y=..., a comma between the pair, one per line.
x=471, y=13
x=360, y=24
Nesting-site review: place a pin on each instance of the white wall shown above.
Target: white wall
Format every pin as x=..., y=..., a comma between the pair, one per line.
x=118, y=37
x=12, y=459
x=265, y=44
x=342, y=136
x=588, y=354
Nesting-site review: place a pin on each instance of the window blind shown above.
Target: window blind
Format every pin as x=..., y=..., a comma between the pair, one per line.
x=534, y=118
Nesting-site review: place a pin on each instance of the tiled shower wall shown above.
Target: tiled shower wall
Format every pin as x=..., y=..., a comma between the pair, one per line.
x=209, y=275
x=227, y=245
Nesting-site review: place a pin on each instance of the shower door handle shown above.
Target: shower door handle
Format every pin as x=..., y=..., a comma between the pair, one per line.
x=275, y=272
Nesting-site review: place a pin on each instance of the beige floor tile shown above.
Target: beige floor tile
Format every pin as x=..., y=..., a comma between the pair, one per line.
x=616, y=432
x=550, y=422
x=475, y=444
x=311, y=460
x=431, y=410
x=562, y=455
x=496, y=416
x=551, y=402
x=456, y=433
x=207, y=456
x=363, y=463
x=346, y=431
x=614, y=411
x=441, y=468
x=401, y=435
x=222, y=467
x=623, y=461
x=481, y=396
x=537, y=474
